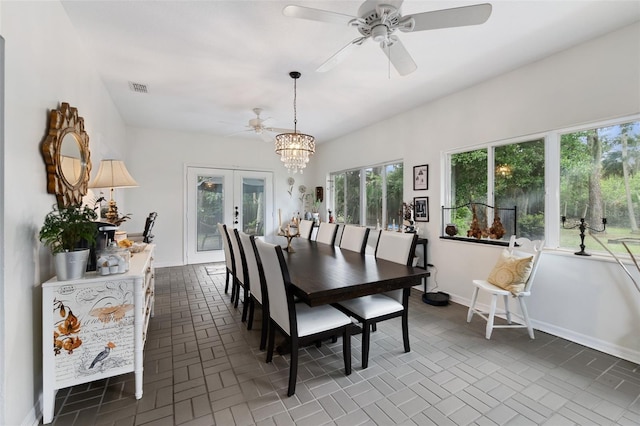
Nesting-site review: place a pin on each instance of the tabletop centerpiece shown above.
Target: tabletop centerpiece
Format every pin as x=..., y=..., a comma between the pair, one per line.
x=290, y=232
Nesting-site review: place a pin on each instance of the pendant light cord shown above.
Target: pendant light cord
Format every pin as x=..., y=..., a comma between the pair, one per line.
x=295, y=112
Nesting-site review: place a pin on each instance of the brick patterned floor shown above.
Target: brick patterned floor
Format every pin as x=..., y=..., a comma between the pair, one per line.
x=203, y=367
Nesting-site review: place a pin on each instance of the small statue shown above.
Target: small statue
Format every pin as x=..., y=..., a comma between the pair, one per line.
x=475, y=231
x=497, y=230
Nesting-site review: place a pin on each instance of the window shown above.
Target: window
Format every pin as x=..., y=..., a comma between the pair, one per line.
x=595, y=169
x=599, y=179
x=369, y=196
x=502, y=176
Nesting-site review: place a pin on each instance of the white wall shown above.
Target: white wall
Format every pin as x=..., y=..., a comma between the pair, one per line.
x=45, y=64
x=575, y=297
x=583, y=299
x=157, y=160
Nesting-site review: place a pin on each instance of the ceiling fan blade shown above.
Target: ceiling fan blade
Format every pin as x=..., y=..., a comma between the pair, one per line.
x=239, y=133
x=340, y=55
x=266, y=137
x=455, y=17
x=399, y=56
x=312, y=14
x=278, y=130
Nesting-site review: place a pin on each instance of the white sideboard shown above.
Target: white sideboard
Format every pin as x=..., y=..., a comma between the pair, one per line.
x=95, y=327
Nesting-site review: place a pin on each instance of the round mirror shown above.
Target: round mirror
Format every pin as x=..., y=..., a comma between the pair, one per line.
x=66, y=155
x=71, y=161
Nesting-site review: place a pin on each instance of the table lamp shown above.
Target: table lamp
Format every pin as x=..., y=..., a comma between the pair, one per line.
x=113, y=174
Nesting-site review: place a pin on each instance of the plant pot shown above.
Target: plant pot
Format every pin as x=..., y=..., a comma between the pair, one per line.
x=451, y=229
x=71, y=265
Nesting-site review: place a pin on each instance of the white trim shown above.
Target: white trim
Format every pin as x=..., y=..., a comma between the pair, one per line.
x=564, y=333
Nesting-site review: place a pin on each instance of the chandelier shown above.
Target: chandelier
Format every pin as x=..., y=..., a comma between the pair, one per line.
x=295, y=148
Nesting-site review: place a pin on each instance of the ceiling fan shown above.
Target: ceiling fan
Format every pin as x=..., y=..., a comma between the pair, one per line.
x=380, y=19
x=260, y=127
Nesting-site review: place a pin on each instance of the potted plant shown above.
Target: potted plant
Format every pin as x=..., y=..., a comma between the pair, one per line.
x=65, y=231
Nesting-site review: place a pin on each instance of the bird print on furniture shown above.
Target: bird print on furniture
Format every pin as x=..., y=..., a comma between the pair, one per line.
x=103, y=355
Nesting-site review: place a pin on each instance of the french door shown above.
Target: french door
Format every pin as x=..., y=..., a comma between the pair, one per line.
x=240, y=199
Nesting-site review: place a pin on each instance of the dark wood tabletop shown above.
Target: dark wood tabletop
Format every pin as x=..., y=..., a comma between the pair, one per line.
x=326, y=274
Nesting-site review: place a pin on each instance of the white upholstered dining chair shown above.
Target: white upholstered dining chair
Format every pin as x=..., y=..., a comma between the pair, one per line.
x=228, y=257
x=368, y=310
x=252, y=281
x=239, y=278
x=354, y=238
x=327, y=233
x=512, y=276
x=298, y=322
x=305, y=228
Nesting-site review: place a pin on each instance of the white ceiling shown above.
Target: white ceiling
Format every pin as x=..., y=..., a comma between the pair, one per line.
x=207, y=64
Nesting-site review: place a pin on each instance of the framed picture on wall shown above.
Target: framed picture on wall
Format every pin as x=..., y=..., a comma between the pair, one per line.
x=420, y=177
x=421, y=209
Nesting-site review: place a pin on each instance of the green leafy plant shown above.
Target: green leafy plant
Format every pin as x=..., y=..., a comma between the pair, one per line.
x=65, y=227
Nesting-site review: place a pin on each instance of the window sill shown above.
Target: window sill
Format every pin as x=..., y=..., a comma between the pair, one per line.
x=478, y=241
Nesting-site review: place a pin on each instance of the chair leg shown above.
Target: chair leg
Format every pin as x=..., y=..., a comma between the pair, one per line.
x=265, y=328
x=506, y=308
x=251, y=309
x=490, y=318
x=374, y=327
x=226, y=285
x=293, y=367
x=474, y=298
x=366, y=334
x=236, y=285
x=346, y=349
x=525, y=316
x=405, y=330
x=272, y=341
x=233, y=289
x=245, y=304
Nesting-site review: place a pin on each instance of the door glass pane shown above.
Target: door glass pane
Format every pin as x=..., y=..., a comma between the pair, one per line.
x=209, y=210
x=253, y=206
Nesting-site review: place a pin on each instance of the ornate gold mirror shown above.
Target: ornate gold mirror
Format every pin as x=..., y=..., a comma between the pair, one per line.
x=66, y=155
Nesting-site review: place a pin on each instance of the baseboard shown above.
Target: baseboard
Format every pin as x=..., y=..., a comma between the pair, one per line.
x=582, y=339
x=34, y=415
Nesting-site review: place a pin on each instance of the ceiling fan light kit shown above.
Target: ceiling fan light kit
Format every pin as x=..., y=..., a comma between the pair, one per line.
x=295, y=148
x=379, y=19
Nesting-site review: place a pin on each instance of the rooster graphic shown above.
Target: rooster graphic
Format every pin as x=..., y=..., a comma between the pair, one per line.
x=103, y=355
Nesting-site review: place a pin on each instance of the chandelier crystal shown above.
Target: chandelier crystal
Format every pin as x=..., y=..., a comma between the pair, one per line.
x=295, y=148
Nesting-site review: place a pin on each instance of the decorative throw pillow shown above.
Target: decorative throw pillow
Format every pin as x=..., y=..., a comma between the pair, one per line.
x=511, y=272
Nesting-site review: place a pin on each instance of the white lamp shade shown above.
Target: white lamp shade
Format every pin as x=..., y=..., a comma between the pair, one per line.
x=113, y=174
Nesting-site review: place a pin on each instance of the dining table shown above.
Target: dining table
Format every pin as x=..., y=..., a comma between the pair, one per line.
x=323, y=274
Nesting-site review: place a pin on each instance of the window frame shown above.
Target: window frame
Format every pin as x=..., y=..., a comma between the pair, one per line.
x=552, y=223
x=363, y=190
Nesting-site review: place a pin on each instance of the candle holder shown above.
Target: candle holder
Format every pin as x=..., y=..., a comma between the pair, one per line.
x=289, y=236
x=583, y=226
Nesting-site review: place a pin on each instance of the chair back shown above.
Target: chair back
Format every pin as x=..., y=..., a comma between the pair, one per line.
x=147, y=237
x=226, y=244
x=237, y=258
x=305, y=227
x=354, y=238
x=251, y=275
x=396, y=247
x=327, y=233
x=273, y=279
x=522, y=247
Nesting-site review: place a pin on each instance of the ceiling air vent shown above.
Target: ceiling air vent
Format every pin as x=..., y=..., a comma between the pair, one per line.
x=138, y=87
